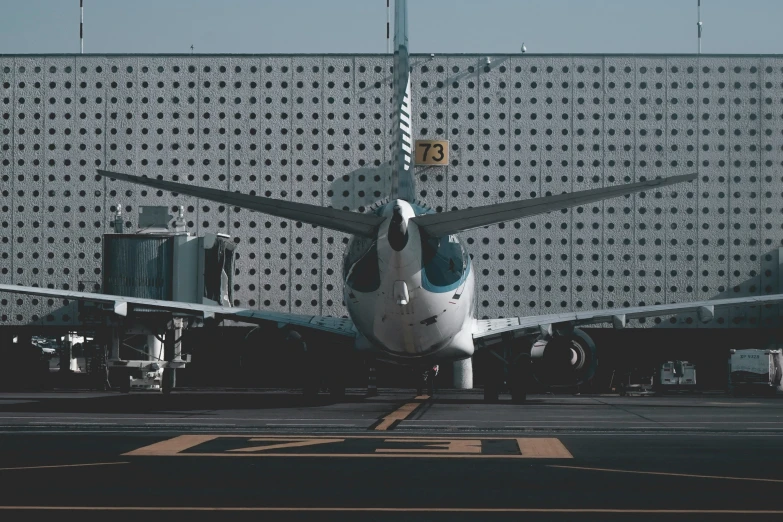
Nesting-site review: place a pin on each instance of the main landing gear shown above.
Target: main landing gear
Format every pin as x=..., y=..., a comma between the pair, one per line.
x=506, y=370
x=318, y=372
x=426, y=380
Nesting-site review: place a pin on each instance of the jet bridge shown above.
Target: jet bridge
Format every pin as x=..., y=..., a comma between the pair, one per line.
x=161, y=260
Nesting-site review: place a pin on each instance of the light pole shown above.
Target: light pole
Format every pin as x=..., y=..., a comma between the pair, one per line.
x=698, y=22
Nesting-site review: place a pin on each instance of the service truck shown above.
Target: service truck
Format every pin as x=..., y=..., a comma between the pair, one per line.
x=754, y=371
x=676, y=376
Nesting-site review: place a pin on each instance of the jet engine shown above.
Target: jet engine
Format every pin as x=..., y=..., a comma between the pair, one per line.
x=564, y=360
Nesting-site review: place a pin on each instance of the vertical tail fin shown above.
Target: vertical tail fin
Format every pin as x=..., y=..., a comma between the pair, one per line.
x=403, y=183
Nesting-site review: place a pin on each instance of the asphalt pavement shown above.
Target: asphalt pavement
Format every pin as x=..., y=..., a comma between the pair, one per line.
x=268, y=454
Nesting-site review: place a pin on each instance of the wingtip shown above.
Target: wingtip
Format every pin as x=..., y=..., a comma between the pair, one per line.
x=675, y=179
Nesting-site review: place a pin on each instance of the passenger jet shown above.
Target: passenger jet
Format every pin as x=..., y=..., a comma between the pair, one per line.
x=409, y=284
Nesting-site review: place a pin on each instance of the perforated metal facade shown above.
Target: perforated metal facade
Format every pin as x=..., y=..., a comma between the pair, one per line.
x=315, y=129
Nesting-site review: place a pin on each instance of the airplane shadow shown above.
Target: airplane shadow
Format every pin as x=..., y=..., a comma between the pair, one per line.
x=767, y=282
x=359, y=189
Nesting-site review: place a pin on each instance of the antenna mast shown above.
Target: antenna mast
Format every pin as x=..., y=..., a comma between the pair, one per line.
x=698, y=22
x=81, y=25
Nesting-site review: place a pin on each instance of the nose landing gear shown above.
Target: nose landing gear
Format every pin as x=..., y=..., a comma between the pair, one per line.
x=427, y=380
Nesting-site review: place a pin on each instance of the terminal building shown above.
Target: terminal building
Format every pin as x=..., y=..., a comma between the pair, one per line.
x=315, y=129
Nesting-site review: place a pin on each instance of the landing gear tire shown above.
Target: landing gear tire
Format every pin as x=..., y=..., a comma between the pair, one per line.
x=518, y=395
x=494, y=378
x=491, y=392
x=337, y=379
x=519, y=381
x=124, y=378
x=310, y=391
x=337, y=393
x=311, y=377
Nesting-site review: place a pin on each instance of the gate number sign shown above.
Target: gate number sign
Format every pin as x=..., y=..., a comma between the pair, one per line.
x=432, y=152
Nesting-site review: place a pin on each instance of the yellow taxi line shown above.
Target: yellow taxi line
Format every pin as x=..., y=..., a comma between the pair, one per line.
x=400, y=413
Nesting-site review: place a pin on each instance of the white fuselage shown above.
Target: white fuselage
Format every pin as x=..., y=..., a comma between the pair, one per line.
x=404, y=315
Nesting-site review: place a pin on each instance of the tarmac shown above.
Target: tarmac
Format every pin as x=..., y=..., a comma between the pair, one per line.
x=250, y=454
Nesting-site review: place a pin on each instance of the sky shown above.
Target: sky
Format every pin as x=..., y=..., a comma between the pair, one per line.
x=359, y=26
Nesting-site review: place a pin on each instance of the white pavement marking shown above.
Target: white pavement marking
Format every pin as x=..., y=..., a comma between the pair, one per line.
x=311, y=424
x=639, y=511
x=64, y=466
x=449, y=426
x=197, y=423
x=662, y=421
x=667, y=474
x=122, y=417
x=50, y=423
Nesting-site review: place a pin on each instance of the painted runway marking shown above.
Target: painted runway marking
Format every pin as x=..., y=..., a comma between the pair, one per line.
x=286, y=443
x=433, y=446
x=172, y=446
x=401, y=510
x=204, y=445
x=543, y=449
x=666, y=474
x=400, y=414
x=65, y=466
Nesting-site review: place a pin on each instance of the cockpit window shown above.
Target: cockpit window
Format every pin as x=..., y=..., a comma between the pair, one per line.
x=360, y=268
x=444, y=263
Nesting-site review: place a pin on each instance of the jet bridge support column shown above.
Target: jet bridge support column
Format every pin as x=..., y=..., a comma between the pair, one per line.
x=66, y=353
x=463, y=374
x=169, y=347
x=154, y=348
x=372, y=383
x=172, y=351
x=114, y=343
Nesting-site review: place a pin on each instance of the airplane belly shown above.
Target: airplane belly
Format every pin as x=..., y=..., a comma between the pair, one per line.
x=428, y=322
x=409, y=314
x=411, y=328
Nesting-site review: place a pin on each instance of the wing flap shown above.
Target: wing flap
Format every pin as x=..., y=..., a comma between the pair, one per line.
x=618, y=317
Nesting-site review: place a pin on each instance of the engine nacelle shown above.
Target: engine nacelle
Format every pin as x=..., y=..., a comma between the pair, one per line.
x=564, y=360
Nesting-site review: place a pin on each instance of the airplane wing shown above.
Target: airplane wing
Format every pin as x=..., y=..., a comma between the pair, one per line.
x=486, y=329
x=121, y=305
x=445, y=223
x=365, y=225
